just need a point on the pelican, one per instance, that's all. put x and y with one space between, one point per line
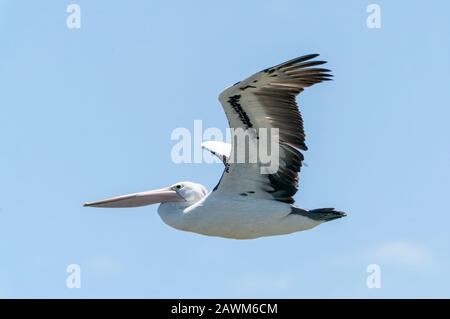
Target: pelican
247 203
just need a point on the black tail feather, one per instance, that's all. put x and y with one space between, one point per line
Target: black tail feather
325 214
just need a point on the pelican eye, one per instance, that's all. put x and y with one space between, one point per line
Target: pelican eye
178 186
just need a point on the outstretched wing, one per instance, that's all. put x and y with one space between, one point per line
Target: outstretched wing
267 100
219 149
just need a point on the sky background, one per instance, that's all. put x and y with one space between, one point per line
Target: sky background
88 113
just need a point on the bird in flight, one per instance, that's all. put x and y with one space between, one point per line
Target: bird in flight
248 202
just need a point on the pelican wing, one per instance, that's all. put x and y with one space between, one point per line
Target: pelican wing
267 99
221 150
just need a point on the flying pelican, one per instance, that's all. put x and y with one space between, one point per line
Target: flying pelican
246 203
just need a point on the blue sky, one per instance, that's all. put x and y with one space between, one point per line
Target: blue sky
87 113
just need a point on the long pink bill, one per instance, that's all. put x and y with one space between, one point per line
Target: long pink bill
139 199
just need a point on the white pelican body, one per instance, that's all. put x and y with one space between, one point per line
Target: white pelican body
234 217
247 202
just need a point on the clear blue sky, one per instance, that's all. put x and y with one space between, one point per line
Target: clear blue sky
88 113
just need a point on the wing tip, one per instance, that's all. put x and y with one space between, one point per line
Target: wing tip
313 55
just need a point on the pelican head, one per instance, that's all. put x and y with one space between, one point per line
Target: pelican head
189 191
182 192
